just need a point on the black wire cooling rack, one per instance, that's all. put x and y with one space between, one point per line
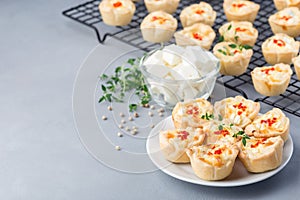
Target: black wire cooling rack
88 15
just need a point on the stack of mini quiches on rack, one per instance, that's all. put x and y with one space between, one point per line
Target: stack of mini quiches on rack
212 137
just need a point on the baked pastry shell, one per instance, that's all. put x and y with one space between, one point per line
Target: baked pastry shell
241 40
296 62
209 172
183 40
116 18
292 30
233 65
187 20
264 87
265 162
281 4
231 16
179 120
169 6
168 148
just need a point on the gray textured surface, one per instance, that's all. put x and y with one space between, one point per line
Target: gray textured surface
40 152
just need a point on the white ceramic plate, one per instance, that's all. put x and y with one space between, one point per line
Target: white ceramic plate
239 176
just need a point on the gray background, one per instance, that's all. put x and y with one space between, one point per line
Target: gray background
41 156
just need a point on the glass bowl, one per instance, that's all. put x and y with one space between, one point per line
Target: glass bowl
168 85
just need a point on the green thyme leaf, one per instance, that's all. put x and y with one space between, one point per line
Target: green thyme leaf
229 27
132 107
131 61
236 38
220 127
220 118
247 47
221 38
244 141
232 46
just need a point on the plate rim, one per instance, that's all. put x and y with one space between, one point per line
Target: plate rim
169 172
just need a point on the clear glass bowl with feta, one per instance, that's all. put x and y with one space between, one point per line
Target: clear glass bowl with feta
175 73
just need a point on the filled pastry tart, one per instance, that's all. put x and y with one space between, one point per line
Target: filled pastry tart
296 62
195 13
238 110
280 48
158 26
198 34
234 58
239 32
192 113
217 131
281 4
240 10
271 80
168 6
261 154
117 12
286 21
213 161
174 143
271 124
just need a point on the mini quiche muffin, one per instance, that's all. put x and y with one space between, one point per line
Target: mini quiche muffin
271 124
158 26
219 132
196 35
174 143
262 154
234 58
213 161
286 21
296 62
117 12
280 48
271 80
192 113
168 6
242 33
240 10
195 13
281 4
238 110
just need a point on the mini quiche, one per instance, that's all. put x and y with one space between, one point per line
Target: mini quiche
195 13
281 4
271 124
234 58
219 132
168 6
213 161
262 154
192 113
271 80
196 35
173 143
286 21
117 12
296 62
158 26
239 32
280 48
240 10
238 110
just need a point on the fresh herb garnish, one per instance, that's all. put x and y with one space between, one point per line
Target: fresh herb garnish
229 27
243 135
232 45
222 52
207 116
220 118
220 127
247 46
236 38
124 79
221 38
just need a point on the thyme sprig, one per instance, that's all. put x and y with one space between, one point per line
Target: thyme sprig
125 78
244 136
